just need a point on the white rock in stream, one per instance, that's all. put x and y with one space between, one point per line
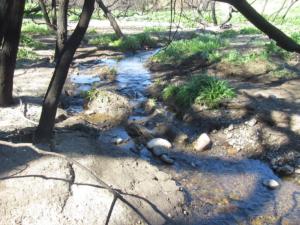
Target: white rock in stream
159 142
202 142
271 183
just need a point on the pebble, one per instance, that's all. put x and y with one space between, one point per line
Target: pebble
252 122
117 141
202 142
297 171
165 158
271 183
159 142
230 128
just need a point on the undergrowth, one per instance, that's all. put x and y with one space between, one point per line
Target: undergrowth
201 89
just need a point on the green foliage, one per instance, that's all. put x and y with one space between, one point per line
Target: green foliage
155 29
296 37
32 28
237 58
229 34
92 31
128 43
201 89
249 30
25 53
284 74
272 49
28 41
180 50
103 40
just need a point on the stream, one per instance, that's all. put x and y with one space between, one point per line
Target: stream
218 190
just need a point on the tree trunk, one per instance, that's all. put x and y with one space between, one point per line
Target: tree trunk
62 27
53 13
213 13
281 39
46 16
111 19
47 120
11 22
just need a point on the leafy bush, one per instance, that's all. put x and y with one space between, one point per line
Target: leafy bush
237 58
201 89
229 34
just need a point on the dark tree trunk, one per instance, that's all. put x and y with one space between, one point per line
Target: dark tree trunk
11 22
62 27
47 120
111 19
213 13
46 15
53 13
281 39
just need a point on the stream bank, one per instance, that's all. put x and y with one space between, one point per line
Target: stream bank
218 186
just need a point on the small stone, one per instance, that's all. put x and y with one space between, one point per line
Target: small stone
165 158
252 122
180 188
193 164
117 141
169 215
158 151
159 142
297 171
214 131
185 212
202 142
271 183
230 128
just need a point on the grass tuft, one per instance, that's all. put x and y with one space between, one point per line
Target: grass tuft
201 89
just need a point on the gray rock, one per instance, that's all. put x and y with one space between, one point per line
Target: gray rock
165 158
110 106
297 171
202 142
159 142
271 183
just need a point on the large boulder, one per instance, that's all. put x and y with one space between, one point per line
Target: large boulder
108 106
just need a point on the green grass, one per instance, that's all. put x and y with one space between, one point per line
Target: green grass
271 49
103 40
201 89
249 30
27 41
237 58
128 43
25 53
178 51
32 28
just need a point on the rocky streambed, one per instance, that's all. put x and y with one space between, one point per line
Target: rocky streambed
170 170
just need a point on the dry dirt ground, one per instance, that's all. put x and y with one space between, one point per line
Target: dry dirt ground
221 186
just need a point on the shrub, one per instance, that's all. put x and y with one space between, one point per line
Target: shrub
250 30
103 40
25 53
201 89
27 41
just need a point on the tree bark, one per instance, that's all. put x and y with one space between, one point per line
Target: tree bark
213 13
51 100
46 15
11 22
111 19
62 27
281 39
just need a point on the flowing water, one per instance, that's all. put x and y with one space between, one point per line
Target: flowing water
217 190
